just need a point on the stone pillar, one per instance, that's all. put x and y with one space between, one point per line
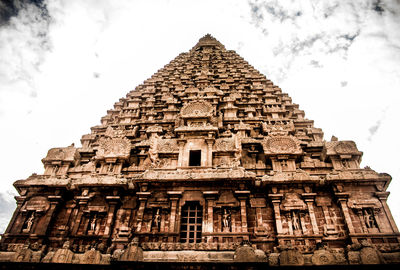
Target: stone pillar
181 144
361 218
112 201
260 225
309 199
174 198
276 201
381 226
143 196
382 196
290 224
54 200
342 199
209 152
242 196
210 197
82 202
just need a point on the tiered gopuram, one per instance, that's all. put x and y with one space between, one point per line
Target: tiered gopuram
206 161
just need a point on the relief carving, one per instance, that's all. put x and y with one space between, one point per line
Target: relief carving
113 148
197 109
281 145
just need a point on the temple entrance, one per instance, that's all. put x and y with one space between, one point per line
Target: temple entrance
192 218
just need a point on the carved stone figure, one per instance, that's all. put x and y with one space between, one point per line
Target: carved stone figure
29 223
295 221
157 219
226 220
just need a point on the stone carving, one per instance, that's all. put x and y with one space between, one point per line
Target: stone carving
226 220
290 256
245 253
157 219
62 154
92 256
167 146
368 218
346 147
281 145
224 145
197 109
133 252
323 257
292 201
36 204
29 223
64 254
113 148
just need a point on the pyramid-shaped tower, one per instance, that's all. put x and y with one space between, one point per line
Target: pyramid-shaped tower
206 161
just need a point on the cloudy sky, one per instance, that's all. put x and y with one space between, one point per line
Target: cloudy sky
63 63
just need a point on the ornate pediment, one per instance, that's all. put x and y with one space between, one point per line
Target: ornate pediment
167 146
113 148
361 200
342 148
281 145
197 109
292 201
62 154
225 145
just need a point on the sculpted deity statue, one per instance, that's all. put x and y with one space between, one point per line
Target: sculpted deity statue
295 221
93 224
29 223
368 219
157 219
226 220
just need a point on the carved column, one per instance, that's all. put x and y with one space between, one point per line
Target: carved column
276 202
258 203
381 226
342 199
361 218
181 143
242 196
54 200
112 201
209 152
174 198
143 196
382 196
210 197
290 224
309 199
82 202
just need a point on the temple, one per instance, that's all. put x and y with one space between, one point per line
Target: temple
206 161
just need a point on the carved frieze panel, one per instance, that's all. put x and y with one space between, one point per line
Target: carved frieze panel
342 148
113 148
292 201
362 200
167 146
224 145
281 145
62 154
197 109
37 204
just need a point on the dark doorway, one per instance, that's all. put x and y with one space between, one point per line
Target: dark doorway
195 158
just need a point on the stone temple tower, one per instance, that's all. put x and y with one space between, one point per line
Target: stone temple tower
206 161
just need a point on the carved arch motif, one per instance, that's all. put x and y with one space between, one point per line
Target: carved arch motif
197 109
